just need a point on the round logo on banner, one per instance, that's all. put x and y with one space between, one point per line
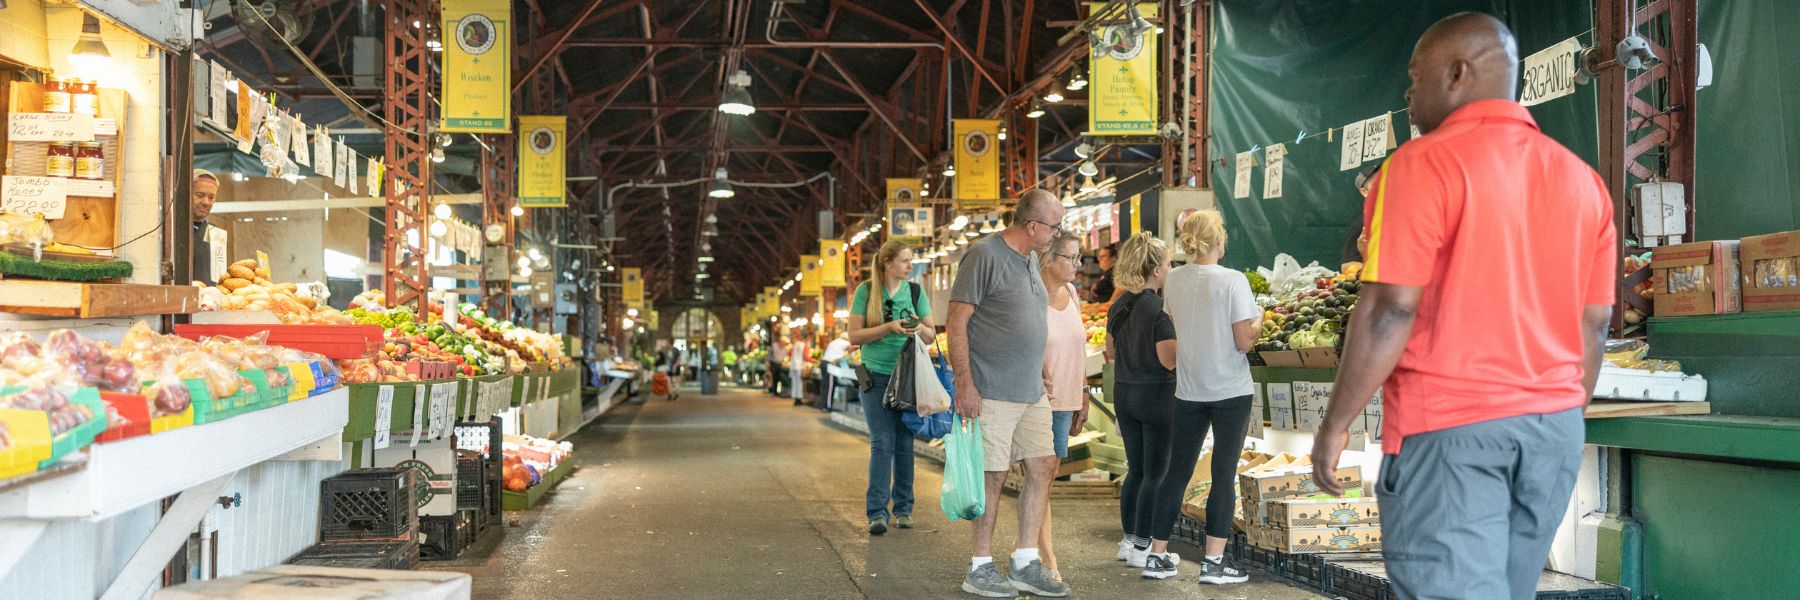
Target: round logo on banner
475 34
976 143
904 194
1121 44
542 140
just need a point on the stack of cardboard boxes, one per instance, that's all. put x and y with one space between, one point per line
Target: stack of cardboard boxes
1759 273
1282 509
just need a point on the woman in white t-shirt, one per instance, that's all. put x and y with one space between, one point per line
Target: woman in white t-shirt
1217 322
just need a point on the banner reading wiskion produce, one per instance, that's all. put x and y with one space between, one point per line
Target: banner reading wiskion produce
632 286
810 281
1122 95
977 163
831 263
477 44
541 179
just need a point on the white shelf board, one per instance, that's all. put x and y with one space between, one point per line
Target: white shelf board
122 476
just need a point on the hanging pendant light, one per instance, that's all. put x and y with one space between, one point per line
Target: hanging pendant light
720 188
1088 168
1037 110
737 95
1077 80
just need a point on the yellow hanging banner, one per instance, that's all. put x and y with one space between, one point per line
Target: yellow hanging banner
810 281
540 161
906 219
831 263
1137 213
477 59
904 191
1122 93
632 283
977 163
771 302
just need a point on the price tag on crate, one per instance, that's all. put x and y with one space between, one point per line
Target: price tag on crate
443 396
384 416
418 414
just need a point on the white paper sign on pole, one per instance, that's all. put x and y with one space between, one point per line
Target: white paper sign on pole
1549 73
49 127
1274 160
339 158
1377 133
1246 161
300 142
220 93
219 243
1352 147
384 416
350 170
34 196
418 414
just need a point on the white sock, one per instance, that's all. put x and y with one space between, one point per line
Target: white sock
1023 557
975 563
1213 559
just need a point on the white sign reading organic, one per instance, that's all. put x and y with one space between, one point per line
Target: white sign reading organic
33 196
1549 73
50 127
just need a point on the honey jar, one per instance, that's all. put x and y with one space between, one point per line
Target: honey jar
90 161
59 160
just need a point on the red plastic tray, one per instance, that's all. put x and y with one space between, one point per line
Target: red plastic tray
136 411
331 341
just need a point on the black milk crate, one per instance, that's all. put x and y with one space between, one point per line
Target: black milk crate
1353 584
369 504
402 556
1308 569
471 479
490 428
443 538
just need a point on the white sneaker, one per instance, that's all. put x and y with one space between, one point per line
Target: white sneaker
1125 549
1138 557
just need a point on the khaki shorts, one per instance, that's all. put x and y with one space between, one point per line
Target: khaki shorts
1015 431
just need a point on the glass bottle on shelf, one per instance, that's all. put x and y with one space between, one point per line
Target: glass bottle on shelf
56 96
59 160
84 98
90 161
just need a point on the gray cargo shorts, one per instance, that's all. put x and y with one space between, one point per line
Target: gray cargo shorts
1468 513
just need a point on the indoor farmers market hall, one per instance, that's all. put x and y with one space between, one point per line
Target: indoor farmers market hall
898 299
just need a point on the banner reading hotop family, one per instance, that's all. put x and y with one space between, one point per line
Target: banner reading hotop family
477 86
1122 93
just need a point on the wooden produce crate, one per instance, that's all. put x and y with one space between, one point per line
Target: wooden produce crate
1063 489
95 300
331 341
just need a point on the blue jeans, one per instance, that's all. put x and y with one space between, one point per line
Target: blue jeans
890 453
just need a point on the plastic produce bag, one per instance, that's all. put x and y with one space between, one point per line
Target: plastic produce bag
901 386
964 496
927 427
1288 275
929 395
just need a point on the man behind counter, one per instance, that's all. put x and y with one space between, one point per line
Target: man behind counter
205 192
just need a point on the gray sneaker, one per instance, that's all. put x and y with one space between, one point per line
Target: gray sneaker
1222 572
1037 579
985 580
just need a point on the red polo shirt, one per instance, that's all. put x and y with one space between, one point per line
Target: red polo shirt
1510 235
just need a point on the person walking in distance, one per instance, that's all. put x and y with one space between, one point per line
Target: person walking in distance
1216 319
997 335
1487 293
1065 360
1141 339
884 313
777 363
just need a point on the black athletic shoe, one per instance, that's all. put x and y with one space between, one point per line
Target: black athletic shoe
1220 572
1159 566
877 527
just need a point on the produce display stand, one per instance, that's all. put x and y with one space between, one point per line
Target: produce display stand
192 463
510 500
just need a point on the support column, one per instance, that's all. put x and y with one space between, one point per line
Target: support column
497 179
407 111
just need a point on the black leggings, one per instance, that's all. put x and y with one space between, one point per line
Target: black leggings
1165 436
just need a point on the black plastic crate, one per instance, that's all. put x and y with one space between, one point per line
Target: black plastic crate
369 504
1308 569
444 537
402 556
471 480
491 504
1355 585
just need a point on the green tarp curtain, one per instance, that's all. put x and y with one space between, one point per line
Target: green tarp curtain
1747 164
1279 68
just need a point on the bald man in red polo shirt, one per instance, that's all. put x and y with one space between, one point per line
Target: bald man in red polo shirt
1488 288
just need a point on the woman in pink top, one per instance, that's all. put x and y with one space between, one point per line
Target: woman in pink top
1065 358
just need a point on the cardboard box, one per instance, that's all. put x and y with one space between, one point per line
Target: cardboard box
1282 358
326 583
1319 358
1274 484
1770 265
1327 511
1700 278
1314 540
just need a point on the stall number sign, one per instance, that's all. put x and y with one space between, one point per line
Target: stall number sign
50 127
1549 74
34 196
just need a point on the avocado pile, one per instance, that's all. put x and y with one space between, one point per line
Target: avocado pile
1312 318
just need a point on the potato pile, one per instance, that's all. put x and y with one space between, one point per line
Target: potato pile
246 286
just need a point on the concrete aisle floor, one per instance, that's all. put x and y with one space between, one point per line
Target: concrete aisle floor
746 496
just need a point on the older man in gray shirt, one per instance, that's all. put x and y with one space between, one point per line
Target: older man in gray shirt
997 332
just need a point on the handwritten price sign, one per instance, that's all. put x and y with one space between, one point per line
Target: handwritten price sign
33 196
50 127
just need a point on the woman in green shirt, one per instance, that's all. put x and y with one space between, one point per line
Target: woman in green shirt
886 309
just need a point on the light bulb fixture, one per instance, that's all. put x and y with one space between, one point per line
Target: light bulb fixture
712 219
542 262
1139 25
1077 79
1084 151
720 188
959 222
962 241
631 312
438 229
533 253
736 100
1037 110
442 139
1054 94
90 51
950 169
437 154
518 211
525 271
1001 135
924 193
1088 168
988 227
524 262
442 211
706 259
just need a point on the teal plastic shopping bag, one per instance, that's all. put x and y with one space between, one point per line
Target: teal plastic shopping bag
965 493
